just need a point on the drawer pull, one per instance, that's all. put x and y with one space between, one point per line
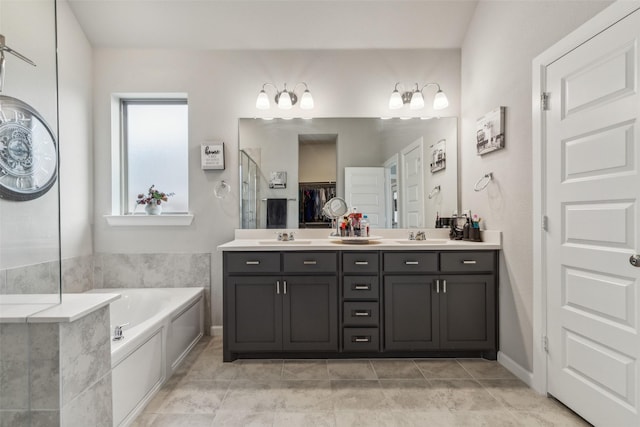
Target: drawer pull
361 339
411 262
365 313
361 263
309 262
361 287
253 263
469 261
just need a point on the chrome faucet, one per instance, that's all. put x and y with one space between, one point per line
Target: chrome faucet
412 236
421 235
283 236
117 332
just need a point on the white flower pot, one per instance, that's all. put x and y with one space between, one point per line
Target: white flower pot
153 209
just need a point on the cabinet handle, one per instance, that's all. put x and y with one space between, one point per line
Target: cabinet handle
277 287
284 282
362 263
361 339
361 287
469 261
309 262
411 262
252 262
437 286
365 313
444 286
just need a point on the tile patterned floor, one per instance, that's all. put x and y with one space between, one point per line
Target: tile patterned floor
442 392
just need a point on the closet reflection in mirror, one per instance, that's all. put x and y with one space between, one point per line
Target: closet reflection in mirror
383 168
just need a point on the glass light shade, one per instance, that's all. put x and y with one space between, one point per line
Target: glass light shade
440 101
284 101
395 101
306 102
262 103
417 101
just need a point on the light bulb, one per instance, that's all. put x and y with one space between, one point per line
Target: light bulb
417 101
440 101
306 102
395 101
262 103
284 101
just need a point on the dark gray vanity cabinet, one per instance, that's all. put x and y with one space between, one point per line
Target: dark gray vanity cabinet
275 302
425 309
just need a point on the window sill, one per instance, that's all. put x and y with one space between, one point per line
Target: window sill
149 220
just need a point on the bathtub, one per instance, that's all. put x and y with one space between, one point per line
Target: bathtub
160 328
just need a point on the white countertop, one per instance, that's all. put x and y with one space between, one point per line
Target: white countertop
72 308
388 239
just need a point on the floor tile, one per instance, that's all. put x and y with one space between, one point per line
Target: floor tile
182 420
549 419
396 369
235 418
258 370
209 367
351 370
306 419
306 395
413 395
358 395
485 369
446 369
516 395
144 420
194 397
305 370
463 395
253 396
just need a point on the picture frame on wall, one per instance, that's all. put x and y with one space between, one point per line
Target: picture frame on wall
490 131
212 156
439 156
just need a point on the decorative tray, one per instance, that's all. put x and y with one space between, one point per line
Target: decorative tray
356 240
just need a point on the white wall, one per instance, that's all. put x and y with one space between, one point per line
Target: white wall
501 42
76 135
222 86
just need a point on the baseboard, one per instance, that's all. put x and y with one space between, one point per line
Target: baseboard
517 370
215 331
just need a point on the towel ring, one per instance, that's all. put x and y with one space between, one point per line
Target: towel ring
435 191
483 182
221 190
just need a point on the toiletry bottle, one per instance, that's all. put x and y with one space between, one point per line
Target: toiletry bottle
438 225
364 226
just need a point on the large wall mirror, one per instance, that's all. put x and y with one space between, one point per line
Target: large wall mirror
400 173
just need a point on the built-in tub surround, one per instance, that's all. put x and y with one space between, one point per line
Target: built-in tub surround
55 366
159 328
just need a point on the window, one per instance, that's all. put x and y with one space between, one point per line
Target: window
155 152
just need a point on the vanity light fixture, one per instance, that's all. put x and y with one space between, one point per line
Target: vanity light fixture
415 99
285 99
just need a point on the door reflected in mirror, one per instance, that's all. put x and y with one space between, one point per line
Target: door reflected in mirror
383 168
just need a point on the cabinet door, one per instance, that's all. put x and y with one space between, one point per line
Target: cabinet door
410 313
310 313
467 312
255 313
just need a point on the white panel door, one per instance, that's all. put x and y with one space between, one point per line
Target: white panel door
593 189
364 189
411 185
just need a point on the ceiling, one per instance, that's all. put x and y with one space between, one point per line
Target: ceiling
266 24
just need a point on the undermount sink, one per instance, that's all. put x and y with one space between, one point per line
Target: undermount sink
284 242
423 242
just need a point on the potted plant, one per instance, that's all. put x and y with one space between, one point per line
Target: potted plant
153 200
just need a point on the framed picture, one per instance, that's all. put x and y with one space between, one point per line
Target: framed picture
439 156
212 156
490 131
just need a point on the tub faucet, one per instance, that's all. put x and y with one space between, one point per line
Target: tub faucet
117 332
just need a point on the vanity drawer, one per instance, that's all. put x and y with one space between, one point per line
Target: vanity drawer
252 262
360 262
310 262
406 262
360 313
360 339
360 287
467 261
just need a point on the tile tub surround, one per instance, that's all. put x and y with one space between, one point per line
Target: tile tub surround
398 392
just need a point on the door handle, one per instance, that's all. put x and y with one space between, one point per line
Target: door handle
253 263
469 261
277 287
411 262
362 262
309 262
444 286
361 287
361 339
437 286
362 313
634 260
284 285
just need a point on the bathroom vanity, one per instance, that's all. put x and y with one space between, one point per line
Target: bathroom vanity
317 297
